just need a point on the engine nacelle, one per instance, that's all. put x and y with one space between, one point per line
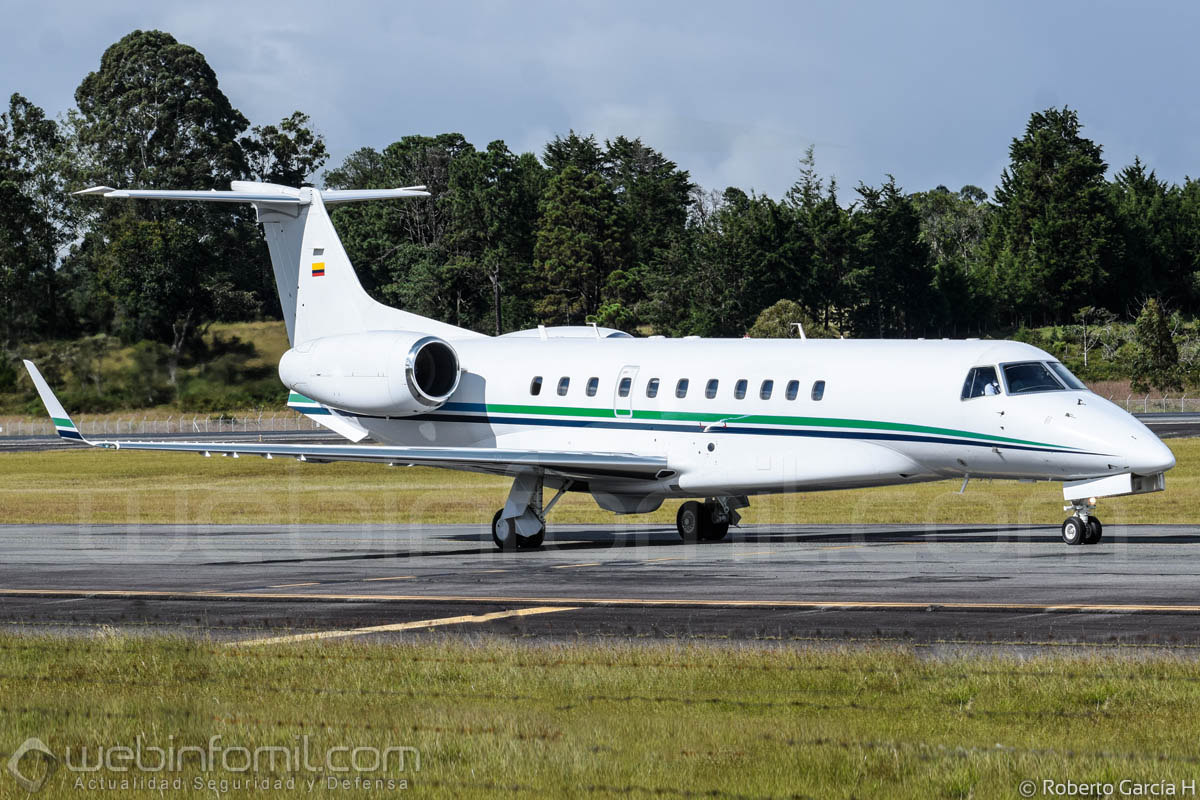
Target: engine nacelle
389 373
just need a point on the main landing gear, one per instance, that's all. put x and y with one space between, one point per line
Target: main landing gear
708 521
521 524
1082 527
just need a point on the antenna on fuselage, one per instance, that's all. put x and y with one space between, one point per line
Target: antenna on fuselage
800 330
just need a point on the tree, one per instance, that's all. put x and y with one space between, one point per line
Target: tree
1051 234
33 223
953 226
494 198
779 321
1093 322
1156 358
288 153
578 245
154 116
891 283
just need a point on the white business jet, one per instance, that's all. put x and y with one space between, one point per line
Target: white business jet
636 421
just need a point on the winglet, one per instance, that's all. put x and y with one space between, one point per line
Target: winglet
62 423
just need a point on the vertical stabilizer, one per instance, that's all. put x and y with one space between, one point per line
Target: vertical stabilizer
318 289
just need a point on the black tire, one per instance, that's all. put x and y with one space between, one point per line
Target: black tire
531 542
717 531
1073 530
1095 531
509 542
689 521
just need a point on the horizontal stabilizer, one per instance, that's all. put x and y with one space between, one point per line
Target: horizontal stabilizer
212 196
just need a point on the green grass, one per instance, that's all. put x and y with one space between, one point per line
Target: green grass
494 718
91 486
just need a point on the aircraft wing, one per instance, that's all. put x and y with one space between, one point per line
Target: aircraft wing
574 465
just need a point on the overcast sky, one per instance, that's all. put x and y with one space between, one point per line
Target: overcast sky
733 91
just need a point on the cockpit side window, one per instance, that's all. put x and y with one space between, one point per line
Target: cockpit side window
1065 376
981 381
1030 376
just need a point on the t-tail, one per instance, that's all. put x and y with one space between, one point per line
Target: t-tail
318 289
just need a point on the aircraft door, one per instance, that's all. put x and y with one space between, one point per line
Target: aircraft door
623 392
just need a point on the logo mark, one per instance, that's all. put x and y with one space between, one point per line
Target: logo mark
32 747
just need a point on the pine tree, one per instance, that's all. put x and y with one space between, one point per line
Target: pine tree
1156 358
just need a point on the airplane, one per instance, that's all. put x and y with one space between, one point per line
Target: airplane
636 422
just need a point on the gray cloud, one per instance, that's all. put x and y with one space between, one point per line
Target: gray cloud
929 91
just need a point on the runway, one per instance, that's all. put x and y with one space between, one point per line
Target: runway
925 585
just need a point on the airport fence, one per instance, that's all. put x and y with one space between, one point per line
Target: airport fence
206 424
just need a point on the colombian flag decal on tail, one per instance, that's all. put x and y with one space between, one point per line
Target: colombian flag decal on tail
318 269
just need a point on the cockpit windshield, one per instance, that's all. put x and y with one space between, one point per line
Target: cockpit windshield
1030 376
1065 375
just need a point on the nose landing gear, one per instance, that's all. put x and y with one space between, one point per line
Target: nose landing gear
1082 527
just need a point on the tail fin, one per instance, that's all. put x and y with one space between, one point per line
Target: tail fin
318 289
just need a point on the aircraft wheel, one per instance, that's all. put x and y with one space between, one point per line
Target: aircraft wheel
689 521
503 533
531 542
1073 530
717 531
1094 531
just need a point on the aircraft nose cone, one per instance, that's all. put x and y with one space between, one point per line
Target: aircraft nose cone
1150 455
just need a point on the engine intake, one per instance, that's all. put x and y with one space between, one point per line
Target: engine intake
386 373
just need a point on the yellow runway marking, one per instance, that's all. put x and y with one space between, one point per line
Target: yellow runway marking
291 585
149 594
407 626
665 558
759 553
570 566
393 578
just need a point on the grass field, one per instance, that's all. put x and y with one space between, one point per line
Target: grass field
90 486
499 718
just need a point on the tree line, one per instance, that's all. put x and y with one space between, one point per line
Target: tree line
607 231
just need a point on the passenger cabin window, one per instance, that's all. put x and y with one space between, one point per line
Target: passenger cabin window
1065 376
980 381
592 385
739 389
535 386
764 391
623 387
1030 376
652 388
793 390
564 383
818 390
681 388
710 390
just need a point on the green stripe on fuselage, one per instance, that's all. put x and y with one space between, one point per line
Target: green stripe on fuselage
756 419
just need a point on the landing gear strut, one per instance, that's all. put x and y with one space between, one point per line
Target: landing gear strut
521 524
708 521
1082 527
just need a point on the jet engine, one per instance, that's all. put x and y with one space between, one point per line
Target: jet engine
385 373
